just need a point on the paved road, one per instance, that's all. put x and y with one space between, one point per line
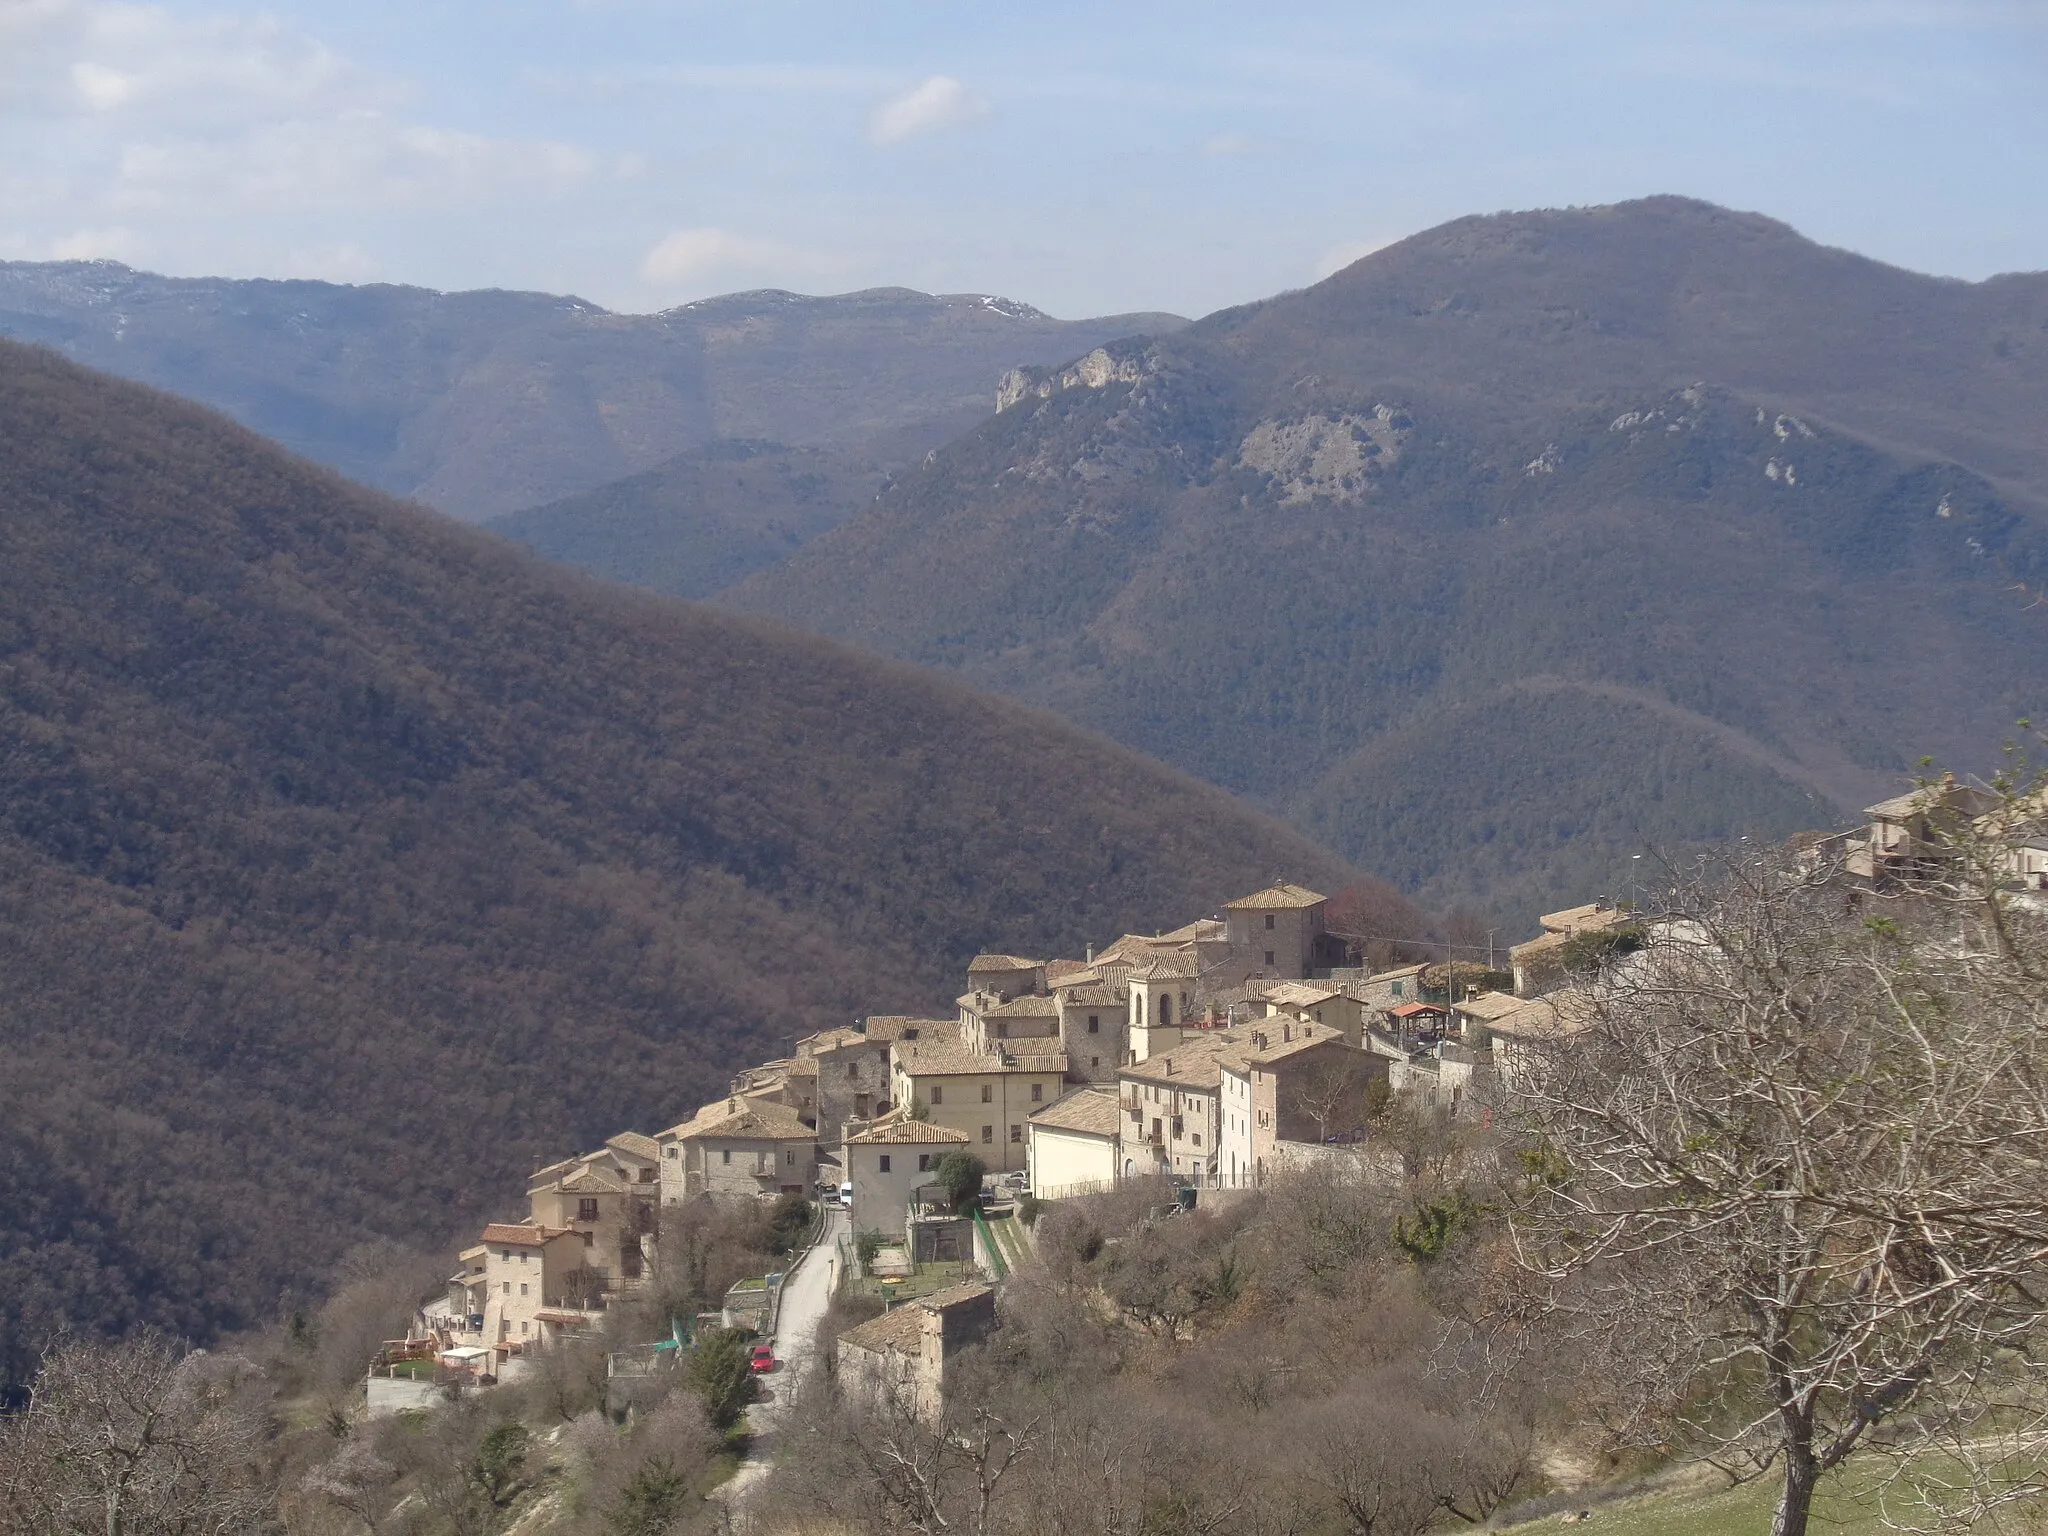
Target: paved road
806 1293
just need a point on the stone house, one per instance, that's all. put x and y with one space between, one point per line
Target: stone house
1309 1003
1293 1082
1093 1027
1538 964
1283 929
1071 1146
525 1299
738 1146
852 1078
888 1162
1384 991
614 1220
909 1351
988 1095
1171 1108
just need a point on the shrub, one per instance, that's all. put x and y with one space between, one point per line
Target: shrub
1028 1210
960 1175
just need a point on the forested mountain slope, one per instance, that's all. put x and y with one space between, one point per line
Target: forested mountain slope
487 402
704 520
352 863
1511 549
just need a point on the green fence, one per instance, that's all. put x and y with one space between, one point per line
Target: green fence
988 1241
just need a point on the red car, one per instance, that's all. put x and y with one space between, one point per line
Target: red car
762 1360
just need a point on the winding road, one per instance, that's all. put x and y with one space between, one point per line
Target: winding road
806 1293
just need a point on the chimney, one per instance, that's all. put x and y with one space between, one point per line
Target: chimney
1091 954
1169 1066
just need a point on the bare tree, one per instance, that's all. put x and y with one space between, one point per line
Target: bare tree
1797 1139
138 1438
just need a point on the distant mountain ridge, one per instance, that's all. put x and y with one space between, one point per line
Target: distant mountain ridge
354 863
1511 550
487 402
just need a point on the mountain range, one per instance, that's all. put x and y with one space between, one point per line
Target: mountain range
354 862
490 402
1513 555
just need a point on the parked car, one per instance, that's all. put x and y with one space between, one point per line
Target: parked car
846 1193
762 1360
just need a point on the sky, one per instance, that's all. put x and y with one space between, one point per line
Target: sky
1085 158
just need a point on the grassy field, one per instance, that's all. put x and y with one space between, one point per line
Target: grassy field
1844 1507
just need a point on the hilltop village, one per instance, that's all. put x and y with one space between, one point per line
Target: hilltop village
1217 1056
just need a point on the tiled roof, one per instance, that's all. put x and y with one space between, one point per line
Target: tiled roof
1093 1110
952 1058
954 1295
1000 963
1414 1010
908 1132
1032 1007
1278 1047
804 1066
900 1329
1297 994
637 1145
1558 1016
1202 929
1059 971
1492 1005
590 1181
1282 896
1194 1064
1166 967
510 1234
1399 973
1092 994
893 1026
829 1040
742 1120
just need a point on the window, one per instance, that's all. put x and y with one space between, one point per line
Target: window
1037 1092
1398 986
522 1287
589 1239
726 1155
924 1162
938 1094
789 1157
505 1286
671 1151
853 1069
910 1034
1002 1029
1094 1023
988 1135
1094 1062
1269 922
1016 1133
988 1093
1198 1138
525 1328
1269 957
885 1163
586 1210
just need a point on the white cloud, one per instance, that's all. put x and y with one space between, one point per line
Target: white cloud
1338 257
148 113
689 259
933 104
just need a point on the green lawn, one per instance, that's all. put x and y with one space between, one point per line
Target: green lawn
928 1278
1011 1242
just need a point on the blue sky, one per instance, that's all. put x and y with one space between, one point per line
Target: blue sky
1083 158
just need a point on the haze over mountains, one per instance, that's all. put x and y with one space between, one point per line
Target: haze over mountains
488 402
353 862
1510 550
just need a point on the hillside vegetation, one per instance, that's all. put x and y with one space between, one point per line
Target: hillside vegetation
1510 551
705 519
487 402
353 863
